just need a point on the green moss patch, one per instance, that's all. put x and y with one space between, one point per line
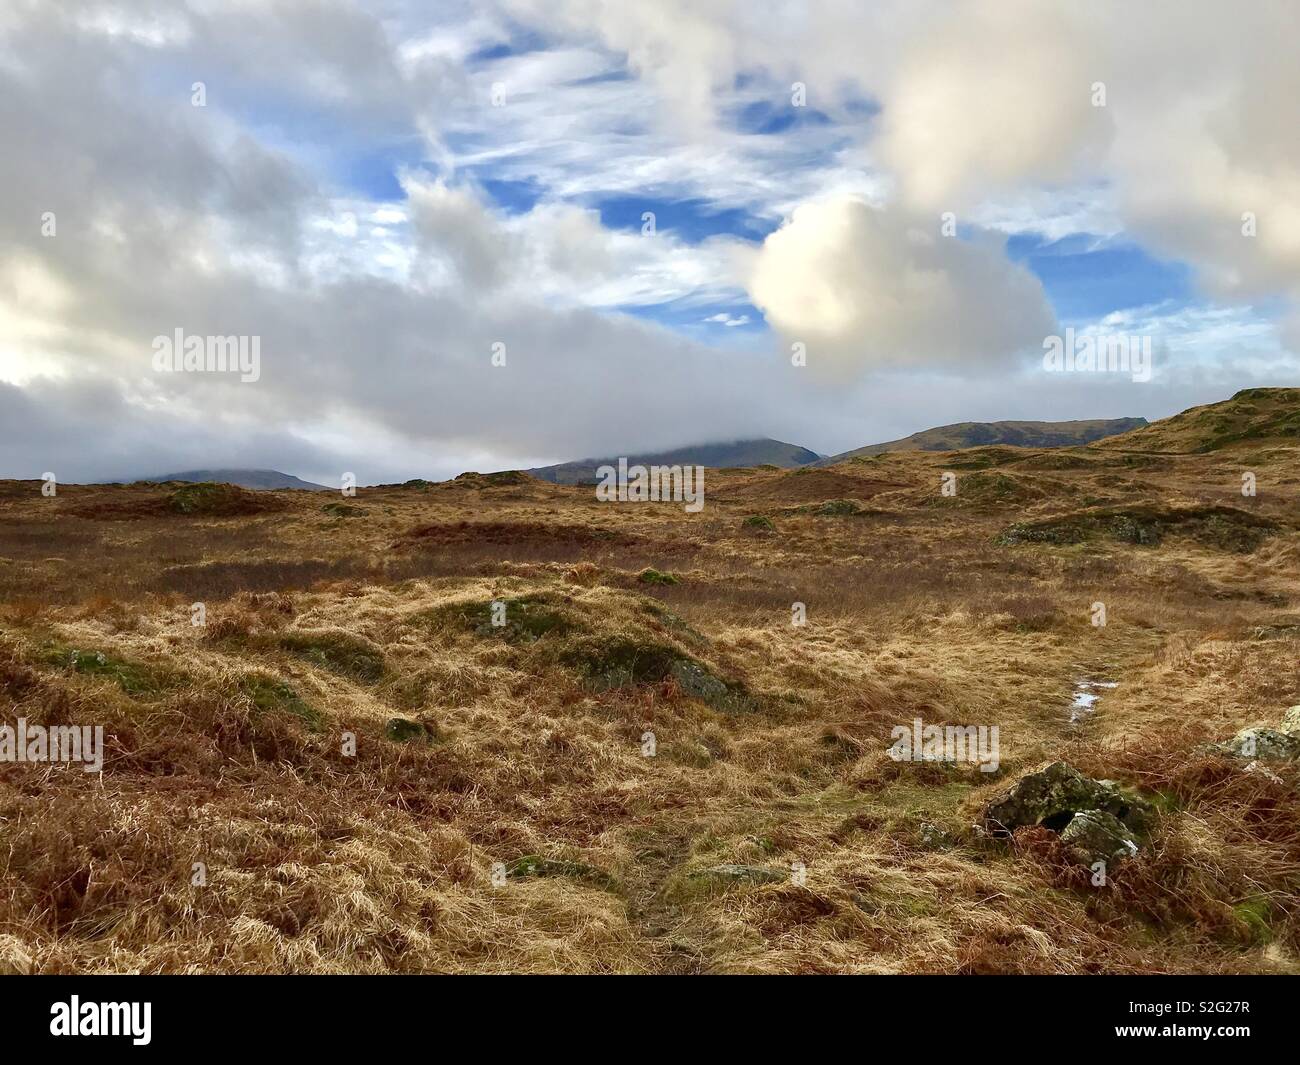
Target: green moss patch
271 695
525 619
650 575
625 661
341 653
1255 916
138 680
838 508
343 510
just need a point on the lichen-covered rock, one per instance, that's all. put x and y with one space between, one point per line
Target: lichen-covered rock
1098 836
1265 744
934 837
1291 721
1052 796
1136 812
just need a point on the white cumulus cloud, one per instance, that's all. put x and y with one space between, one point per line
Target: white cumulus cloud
862 286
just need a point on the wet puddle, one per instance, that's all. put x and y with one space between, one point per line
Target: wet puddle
1086 694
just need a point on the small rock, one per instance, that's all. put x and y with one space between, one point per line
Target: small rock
1098 836
1291 720
1265 744
741 874
934 837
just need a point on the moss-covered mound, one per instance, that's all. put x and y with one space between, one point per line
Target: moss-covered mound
136 679
622 661
533 865
339 652
272 695
522 619
207 498
1219 527
650 575
988 489
501 479
343 510
838 508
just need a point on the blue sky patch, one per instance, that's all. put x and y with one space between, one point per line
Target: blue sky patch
513 197
764 117
1087 277
691 221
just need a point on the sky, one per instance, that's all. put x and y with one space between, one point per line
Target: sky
506 233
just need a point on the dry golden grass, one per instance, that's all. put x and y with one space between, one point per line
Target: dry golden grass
225 743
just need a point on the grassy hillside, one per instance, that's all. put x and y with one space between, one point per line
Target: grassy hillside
648 765
1011 434
762 452
1253 417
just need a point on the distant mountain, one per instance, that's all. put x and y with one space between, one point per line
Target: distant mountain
260 479
740 453
1013 434
1253 416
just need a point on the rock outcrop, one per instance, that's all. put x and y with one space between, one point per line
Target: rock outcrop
1097 819
1281 744
1097 836
1052 796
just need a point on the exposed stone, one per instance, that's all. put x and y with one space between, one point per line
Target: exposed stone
1291 720
1266 744
1098 836
1052 796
